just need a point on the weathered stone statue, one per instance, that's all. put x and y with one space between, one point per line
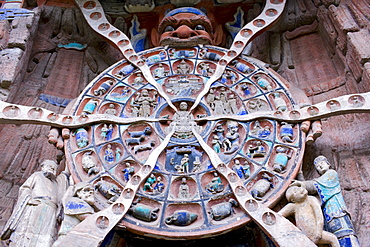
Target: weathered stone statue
34 219
78 204
307 213
327 186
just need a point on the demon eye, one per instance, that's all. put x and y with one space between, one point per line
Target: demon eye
199 27
169 29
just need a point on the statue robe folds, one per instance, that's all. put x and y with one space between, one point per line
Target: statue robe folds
337 218
33 222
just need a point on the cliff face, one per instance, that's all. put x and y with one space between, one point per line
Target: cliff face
318 45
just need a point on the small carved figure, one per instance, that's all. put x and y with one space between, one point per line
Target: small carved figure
308 216
183 68
108 190
215 185
205 69
149 183
118 154
128 172
143 212
232 106
111 110
143 104
139 80
211 98
145 132
263 83
279 102
336 216
103 88
160 71
89 164
183 122
82 138
257 150
39 200
231 141
246 89
159 186
103 132
262 186
222 210
243 171
90 106
286 132
216 143
282 157
184 163
257 105
181 218
78 205
144 147
184 192
196 164
109 154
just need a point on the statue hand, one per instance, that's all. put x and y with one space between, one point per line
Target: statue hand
313 130
297 183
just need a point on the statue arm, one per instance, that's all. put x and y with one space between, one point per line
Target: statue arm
287 210
316 208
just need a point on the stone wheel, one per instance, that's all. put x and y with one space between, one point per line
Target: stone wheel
184 196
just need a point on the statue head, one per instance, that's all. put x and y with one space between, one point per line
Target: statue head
85 191
321 164
186 27
296 194
183 106
49 168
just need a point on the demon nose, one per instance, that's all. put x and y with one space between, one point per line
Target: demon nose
184 32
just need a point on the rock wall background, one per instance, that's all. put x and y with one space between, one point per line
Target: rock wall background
319 45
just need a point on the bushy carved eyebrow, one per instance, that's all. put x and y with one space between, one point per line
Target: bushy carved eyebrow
191 22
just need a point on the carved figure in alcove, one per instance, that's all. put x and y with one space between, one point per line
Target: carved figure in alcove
78 204
103 132
197 164
144 103
215 185
118 154
183 122
184 191
109 154
89 164
308 216
243 171
286 132
257 150
82 139
205 69
211 98
111 110
139 80
159 186
128 172
218 106
257 105
160 71
149 183
283 154
104 87
246 89
263 83
90 106
231 141
181 218
222 210
183 68
184 164
279 102
39 200
143 212
232 107
216 144
337 219
109 190
260 131
262 186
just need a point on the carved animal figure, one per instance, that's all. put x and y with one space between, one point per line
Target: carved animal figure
148 146
135 141
145 132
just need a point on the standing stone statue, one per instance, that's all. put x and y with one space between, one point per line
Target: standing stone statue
34 219
336 217
78 204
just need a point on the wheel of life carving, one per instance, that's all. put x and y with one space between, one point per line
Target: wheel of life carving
184 196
